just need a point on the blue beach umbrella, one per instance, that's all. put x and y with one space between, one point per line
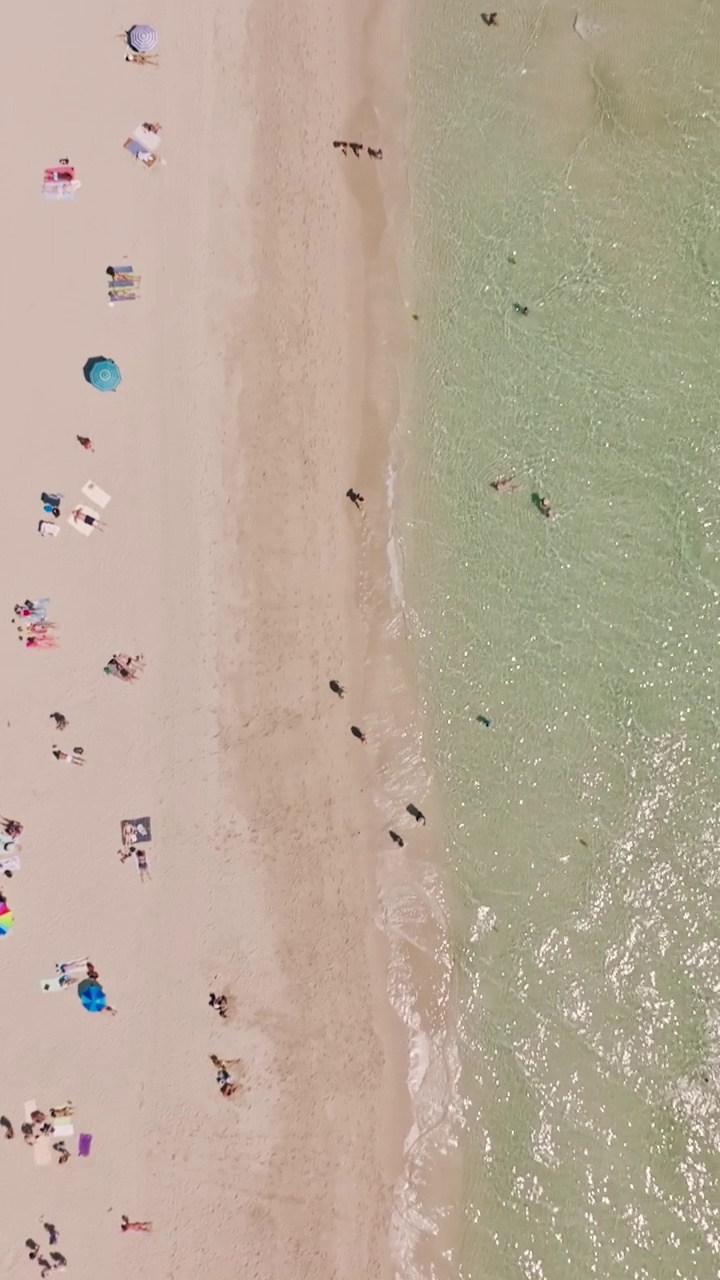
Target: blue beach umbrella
102 373
92 996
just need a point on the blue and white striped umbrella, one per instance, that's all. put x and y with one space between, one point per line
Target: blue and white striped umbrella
142 38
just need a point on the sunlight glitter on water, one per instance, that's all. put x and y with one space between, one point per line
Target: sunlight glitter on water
578 177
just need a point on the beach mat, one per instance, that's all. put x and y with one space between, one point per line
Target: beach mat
135 831
95 494
63 1129
79 525
42 1147
84 1144
51 984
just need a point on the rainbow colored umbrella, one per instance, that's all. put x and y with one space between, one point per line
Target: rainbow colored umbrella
7 919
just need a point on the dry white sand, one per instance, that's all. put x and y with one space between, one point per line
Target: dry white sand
229 562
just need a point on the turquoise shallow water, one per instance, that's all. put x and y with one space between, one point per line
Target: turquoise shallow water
579 178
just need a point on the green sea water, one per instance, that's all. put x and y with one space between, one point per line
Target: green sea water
579 177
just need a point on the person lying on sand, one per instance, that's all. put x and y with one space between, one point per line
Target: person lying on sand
127 1225
80 516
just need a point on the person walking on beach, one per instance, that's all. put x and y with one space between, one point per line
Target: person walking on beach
416 813
357 733
86 443
376 155
337 688
7 1126
61 721
397 839
490 19
355 497
355 147
342 145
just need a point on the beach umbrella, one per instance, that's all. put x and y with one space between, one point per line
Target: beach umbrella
142 38
102 373
92 996
7 919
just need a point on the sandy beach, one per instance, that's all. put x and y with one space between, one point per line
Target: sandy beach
259 381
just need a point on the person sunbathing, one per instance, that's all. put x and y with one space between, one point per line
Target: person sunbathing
127 1225
80 516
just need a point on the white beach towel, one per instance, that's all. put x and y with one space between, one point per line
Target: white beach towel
96 494
80 525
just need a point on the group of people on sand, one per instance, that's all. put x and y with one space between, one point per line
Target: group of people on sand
56 1262
356 147
227 1085
339 690
39 1126
124 667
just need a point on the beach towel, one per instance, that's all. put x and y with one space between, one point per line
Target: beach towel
143 144
52 984
123 285
135 831
62 1129
9 864
80 525
59 183
96 494
84 1144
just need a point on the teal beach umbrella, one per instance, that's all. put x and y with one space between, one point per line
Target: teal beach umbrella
102 373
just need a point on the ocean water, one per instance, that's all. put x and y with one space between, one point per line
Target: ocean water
579 177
